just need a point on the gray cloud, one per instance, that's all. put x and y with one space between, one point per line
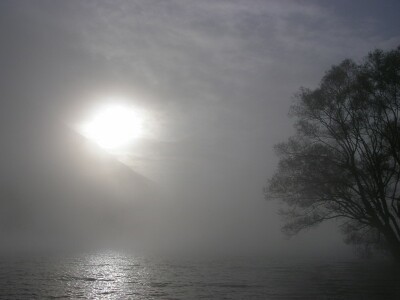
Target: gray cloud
219 76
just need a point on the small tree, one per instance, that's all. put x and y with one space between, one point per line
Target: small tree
344 160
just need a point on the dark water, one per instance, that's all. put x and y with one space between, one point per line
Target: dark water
112 276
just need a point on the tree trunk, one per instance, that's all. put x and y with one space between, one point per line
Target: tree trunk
393 243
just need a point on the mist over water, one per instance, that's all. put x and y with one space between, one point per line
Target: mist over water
176 210
217 80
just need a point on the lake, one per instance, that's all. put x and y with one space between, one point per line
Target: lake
117 276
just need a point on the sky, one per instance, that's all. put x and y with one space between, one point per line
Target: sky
216 79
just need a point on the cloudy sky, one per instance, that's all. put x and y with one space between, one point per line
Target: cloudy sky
216 79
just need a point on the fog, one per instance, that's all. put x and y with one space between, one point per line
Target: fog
216 79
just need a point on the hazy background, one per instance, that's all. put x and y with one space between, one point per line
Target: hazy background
216 79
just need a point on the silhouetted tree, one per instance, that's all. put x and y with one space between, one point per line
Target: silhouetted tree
344 160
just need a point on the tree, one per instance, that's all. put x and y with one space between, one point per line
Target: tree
344 160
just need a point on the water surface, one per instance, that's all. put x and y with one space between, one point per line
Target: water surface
116 276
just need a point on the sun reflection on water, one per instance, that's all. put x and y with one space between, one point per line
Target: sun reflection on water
107 275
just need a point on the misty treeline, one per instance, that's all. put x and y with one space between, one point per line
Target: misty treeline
343 162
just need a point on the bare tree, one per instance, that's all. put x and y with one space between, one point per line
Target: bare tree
344 160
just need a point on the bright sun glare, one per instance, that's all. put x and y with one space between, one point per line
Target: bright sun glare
113 126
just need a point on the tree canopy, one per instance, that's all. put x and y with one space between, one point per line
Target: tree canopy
344 160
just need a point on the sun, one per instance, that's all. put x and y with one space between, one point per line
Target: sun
113 126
